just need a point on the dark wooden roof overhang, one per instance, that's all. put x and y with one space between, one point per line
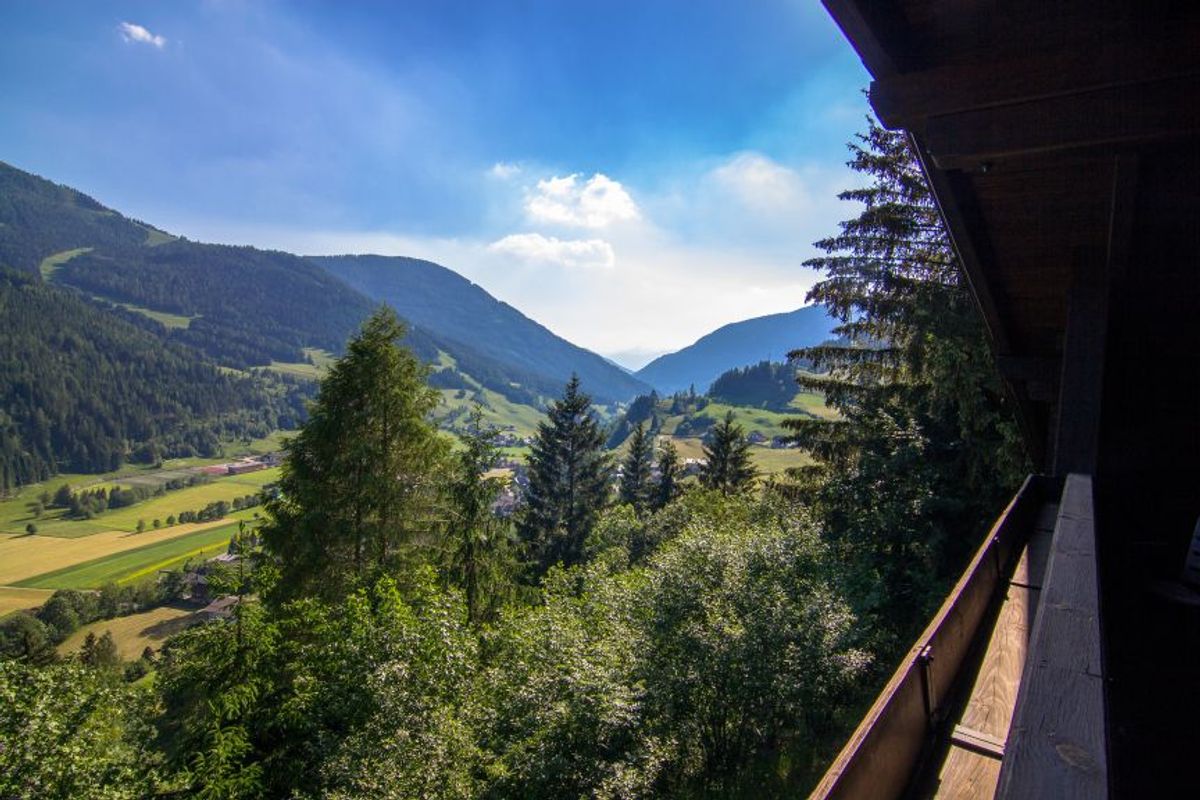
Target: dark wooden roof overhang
1043 128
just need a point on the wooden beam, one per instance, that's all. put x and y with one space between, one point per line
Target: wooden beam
1057 744
1121 217
876 30
1118 116
1081 388
907 101
1077 433
965 227
1029 369
967 231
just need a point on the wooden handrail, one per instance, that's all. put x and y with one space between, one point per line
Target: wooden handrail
883 753
1056 745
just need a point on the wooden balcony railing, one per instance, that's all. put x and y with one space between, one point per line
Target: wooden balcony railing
900 730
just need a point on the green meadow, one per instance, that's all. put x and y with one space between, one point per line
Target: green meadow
132 565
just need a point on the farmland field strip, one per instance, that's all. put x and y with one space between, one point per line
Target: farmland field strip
24 557
96 572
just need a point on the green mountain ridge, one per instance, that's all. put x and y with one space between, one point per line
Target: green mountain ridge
439 299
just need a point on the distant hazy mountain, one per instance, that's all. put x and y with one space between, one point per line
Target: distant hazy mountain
459 312
738 344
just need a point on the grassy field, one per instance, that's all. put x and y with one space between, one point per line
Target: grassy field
134 564
14 598
15 512
192 498
772 462
51 263
24 557
155 237
767 460
497 410
813 404
167 319
321 361
136 632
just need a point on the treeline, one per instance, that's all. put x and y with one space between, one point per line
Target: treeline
217 509
766 384
33 637
82 390
88 503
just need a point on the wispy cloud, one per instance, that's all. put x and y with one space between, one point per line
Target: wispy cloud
539 249
503 170
595 203
132 32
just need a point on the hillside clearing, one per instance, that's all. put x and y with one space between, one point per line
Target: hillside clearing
14 598
136 632
50 264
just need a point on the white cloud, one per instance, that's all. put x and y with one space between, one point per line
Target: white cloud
503 170
136 33
536 248
760 183
595 203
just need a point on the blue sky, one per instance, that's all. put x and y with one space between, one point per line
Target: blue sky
632 175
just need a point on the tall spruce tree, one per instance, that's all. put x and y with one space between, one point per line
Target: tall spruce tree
925 448
568 481
667 488
727 465
478 543
636 481
357 486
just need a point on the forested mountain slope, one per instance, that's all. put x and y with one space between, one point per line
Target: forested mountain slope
242 306
83 389
39 218
458 311
738 344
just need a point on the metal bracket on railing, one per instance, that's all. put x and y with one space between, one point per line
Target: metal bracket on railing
924 659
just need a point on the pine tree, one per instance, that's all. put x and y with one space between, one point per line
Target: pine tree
925 447
357 489
636 488
727 458
568 481
477 539
667 488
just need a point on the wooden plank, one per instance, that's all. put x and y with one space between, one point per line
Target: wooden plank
1056 747
967 775
880 758
1112 117
994 695
983 743
906 101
